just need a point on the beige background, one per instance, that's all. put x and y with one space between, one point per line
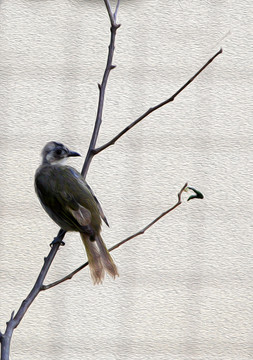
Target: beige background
185 290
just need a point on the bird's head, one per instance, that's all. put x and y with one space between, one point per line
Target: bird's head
56 153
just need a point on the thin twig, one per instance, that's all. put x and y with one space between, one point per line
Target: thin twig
102 87
109 10
116 11
152 109
140 232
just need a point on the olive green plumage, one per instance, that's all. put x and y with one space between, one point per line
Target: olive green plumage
60 192
69 201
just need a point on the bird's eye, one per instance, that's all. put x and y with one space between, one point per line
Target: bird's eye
59 151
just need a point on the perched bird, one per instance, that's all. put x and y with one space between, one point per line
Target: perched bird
70 202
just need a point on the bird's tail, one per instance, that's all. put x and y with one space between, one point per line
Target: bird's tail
99 259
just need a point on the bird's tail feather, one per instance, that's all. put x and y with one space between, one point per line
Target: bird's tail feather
99 259
106 258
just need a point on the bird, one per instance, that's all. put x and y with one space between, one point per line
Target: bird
70 202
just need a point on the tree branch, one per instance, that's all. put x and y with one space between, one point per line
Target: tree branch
112 16
102 87
116 11
5 339
109 10
140 232
15 320
156 107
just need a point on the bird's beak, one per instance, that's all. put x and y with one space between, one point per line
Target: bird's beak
73 153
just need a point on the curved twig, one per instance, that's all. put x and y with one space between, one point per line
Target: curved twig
140 232
156 107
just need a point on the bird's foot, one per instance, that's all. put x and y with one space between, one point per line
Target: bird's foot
58 238
56 241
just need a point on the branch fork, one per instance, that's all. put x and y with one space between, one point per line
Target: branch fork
5 338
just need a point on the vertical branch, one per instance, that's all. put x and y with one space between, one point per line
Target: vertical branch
102 87
5 338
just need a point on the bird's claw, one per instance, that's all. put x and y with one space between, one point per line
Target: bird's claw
57 240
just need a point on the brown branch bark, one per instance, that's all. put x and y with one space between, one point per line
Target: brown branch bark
138 233
156 107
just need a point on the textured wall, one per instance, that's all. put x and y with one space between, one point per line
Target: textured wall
185 290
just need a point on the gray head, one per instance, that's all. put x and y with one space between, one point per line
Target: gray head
56 153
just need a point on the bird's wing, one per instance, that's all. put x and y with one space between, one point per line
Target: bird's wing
99 206
82 215
63 197
87 191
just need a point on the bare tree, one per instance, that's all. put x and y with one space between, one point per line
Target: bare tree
5 338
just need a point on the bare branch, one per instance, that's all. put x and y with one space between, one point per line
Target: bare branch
152 109
116 11
5 338
15 320
112 16
109 10
102 87
140 232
